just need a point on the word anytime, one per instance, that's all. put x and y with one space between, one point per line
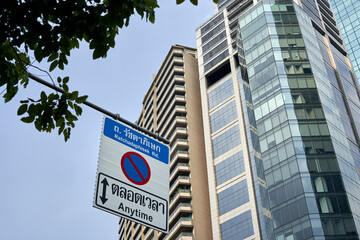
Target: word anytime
135 212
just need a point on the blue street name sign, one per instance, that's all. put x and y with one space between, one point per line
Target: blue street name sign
136 140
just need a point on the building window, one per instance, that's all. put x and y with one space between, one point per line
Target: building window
229 168
212 23
226 141
215 30
216 60
233 197
214 41
221 93
214 51
223 116
239 227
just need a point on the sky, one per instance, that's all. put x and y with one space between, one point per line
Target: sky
47 185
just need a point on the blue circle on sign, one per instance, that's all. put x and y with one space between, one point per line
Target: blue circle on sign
135 168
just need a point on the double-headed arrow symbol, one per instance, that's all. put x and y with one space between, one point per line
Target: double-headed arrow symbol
103 197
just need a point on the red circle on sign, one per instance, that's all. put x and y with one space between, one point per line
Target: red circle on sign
131 176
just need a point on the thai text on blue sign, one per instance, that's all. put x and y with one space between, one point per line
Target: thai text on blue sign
136 140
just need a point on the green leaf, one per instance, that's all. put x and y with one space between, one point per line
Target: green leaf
78 110
67 133
81 99
51 97
61 128
53 66
25 80
66 79
31 109
99 52
74 95
43 96
65 50
38 53
10 93
152 18
140 11
63 58
37 123
70 117
53 56
195 2
93 44
65 95
179 1
60 122
22 109
28 119
61 65
75 43
38 109
70 104
71 124
65 87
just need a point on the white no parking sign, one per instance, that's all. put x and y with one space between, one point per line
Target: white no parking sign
133 176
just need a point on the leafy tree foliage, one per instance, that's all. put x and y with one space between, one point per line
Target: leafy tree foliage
50 29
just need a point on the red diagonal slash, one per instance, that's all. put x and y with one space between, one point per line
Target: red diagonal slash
137 170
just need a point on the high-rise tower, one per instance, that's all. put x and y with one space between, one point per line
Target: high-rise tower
281 119
236 176
172 108
348 19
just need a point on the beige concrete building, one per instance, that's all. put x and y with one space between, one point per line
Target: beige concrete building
172 108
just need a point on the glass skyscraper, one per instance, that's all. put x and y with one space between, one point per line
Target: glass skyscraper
347 14
278 90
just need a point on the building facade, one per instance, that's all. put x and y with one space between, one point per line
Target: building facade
347 14
281 122
264 127
172 108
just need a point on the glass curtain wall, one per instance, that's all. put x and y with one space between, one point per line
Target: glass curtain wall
307 195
